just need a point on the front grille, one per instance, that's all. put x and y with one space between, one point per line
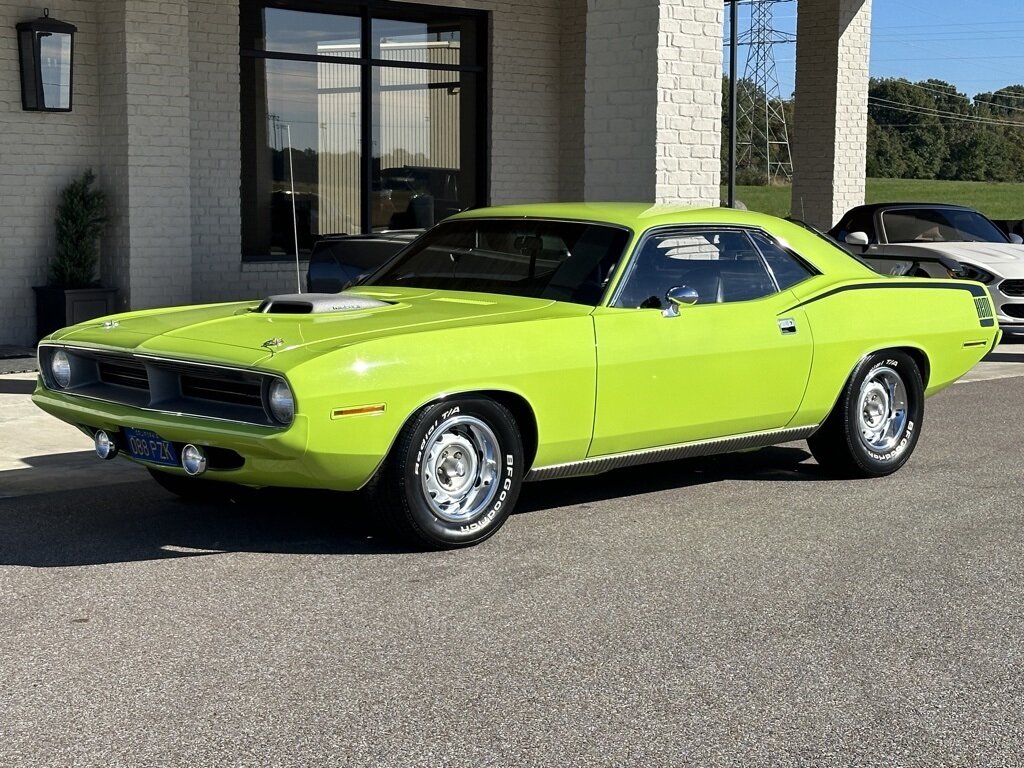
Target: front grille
1012 287
123 373
1014 310
220 391
176 386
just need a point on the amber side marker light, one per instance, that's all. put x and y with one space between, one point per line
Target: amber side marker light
357 410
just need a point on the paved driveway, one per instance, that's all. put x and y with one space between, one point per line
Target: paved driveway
733 611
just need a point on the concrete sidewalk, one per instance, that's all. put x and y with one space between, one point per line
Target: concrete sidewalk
40 454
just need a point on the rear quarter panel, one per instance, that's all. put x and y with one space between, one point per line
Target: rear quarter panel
854 319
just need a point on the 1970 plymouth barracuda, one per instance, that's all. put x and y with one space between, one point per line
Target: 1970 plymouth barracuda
526 343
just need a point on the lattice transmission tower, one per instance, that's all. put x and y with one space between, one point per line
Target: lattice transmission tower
762 139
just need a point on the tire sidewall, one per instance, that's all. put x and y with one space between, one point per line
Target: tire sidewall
872 462
511 471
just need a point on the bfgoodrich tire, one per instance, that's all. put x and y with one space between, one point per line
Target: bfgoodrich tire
453 475
876 423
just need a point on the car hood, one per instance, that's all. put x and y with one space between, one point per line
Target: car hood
975 253
236 333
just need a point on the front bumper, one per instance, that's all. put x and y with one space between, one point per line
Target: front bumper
268 456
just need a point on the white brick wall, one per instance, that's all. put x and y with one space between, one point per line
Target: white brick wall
621 99
653 100
689 122
39 154
157 103
830 130
215 155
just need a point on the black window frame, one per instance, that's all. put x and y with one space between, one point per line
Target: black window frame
250 21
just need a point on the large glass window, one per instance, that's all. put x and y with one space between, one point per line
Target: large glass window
355 123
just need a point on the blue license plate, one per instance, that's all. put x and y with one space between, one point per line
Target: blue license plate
149 446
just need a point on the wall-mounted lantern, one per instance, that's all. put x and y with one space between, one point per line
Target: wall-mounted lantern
45 49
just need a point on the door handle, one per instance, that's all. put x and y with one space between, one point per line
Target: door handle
787 326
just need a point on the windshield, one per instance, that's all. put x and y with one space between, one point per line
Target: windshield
560 260
939 225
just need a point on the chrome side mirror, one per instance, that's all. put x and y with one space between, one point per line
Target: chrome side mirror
1016 239
680 296
857 238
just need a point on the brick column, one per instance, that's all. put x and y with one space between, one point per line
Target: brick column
830 131
144 106
652 116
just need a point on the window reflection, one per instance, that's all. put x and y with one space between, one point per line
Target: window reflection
307 33
313 99
55 61
417 147
307 148
425 43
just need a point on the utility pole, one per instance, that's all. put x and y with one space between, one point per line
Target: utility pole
763 140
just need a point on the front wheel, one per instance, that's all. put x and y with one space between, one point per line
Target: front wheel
875 425
453 475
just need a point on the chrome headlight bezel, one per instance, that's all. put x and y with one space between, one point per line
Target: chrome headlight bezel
280 401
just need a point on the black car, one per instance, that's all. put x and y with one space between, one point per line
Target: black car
337 261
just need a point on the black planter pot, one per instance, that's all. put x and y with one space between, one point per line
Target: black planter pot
59 307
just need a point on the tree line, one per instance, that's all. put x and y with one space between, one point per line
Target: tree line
922 130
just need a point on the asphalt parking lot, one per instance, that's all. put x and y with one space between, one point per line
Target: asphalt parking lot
740 610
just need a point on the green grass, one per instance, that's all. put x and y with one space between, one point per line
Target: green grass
997 201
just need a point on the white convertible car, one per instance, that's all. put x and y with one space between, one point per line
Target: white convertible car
925 234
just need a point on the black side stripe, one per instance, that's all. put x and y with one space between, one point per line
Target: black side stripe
974 290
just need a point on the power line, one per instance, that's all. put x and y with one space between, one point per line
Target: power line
968 98
902 106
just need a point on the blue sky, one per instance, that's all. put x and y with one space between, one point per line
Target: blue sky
978 45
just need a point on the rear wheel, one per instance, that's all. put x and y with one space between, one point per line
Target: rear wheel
875 425
453 475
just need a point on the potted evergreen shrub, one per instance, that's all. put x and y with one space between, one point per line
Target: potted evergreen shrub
72 293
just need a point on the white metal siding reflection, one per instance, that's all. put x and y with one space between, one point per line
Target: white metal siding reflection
338 115
415 124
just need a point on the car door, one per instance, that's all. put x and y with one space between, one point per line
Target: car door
735 362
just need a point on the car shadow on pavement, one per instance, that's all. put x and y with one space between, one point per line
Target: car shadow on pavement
138 521
780 463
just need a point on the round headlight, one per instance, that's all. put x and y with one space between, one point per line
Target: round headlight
281 402
60 367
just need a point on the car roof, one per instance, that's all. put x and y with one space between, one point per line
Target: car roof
872 207
635 216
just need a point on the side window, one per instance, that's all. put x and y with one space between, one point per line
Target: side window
722 266
788 270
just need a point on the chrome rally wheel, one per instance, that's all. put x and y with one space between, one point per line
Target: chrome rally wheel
453 475
876 422
459 467
882 410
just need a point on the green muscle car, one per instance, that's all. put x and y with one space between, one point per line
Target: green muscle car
526 343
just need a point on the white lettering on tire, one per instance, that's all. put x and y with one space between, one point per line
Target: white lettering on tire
484 520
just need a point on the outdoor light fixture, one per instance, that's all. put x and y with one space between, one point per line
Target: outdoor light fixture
45 48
